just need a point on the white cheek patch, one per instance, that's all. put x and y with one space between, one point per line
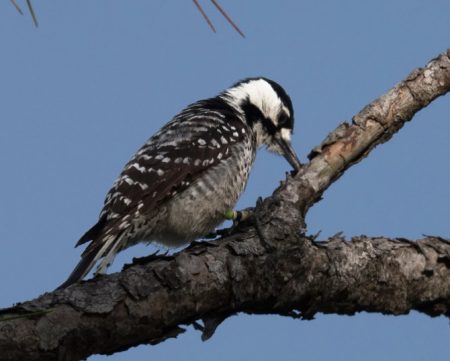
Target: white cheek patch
286 134
261 134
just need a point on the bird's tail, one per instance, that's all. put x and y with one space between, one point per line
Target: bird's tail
104 247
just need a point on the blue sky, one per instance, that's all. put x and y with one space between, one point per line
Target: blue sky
82 92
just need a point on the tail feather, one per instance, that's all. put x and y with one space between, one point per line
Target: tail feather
83 267
93 232
109 253
105 247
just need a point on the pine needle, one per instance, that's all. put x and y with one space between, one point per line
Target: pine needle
222 11
226 16
33 15
17 7
204 15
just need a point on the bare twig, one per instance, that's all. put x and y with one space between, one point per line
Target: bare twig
151 303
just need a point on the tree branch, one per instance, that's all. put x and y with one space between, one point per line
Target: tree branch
287 273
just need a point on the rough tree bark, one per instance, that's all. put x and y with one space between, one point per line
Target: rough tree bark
286 272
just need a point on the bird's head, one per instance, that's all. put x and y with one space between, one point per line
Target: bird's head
267 108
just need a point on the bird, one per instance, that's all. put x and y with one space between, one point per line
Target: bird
180 184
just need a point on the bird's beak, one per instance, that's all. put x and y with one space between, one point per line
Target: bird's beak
289 153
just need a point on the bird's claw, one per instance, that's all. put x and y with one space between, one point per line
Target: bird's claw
246 217
147 259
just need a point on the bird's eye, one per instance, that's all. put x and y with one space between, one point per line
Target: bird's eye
283 122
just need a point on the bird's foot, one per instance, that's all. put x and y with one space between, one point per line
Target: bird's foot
243 218
239 219
147 259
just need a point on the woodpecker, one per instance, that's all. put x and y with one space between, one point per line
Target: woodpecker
183 180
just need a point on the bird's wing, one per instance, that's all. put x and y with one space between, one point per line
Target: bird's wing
198 138
167 164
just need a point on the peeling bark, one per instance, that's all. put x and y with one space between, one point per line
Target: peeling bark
285 272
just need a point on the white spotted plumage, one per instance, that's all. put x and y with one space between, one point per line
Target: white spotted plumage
182 181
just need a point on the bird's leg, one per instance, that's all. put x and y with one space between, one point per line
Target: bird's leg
247 216
237 217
